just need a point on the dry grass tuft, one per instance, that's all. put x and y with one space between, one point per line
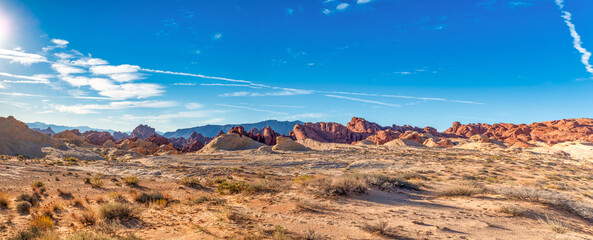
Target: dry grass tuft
96 181
130 180
149 197
4 200
550 198
191 182
118 211
380 228
465 190
554 225
514 210
88 218
23 207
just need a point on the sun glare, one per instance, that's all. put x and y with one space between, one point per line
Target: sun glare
4 28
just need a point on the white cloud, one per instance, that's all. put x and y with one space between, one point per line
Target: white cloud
21 57
217 36
363 1
249 108
342 6
120 73
193 105
363 100
194 75
309 115
2 86
60 42
405 97
577 43
64 69
91 108
89 62
326 11
283 106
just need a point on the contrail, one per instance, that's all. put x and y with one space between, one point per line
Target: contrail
577 43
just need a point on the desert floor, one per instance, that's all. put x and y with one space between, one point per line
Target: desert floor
335 192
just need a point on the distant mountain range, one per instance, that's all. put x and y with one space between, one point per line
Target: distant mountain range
60 128
282 127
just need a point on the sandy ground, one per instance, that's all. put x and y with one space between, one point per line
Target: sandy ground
288 202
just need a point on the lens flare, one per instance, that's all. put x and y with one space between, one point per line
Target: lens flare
4 28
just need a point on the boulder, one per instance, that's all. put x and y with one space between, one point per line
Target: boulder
287 144
479 138
98 138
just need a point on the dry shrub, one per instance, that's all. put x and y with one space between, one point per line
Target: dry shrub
467 190
96 181
149 197
64 194
36 184
4 200
381 228
340 186
514 210
42 223
23 207
32 199
130 180
118 211
550 198
555 225
191 182
88 218
236 216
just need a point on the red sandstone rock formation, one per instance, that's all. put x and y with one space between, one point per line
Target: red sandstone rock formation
158 140
143 132
551 132
98 138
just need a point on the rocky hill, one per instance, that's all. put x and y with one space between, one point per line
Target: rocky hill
17 139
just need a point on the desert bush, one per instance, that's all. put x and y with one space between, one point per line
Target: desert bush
466 190
385 183
41 223
118 211
226 187
36 184
96 181
88 236
554 225
4 200
279 233
32 199
191 182
235 216
71 161
130 180
304 179
149 197
23 207
65 195
513 210
340 186
550 198
378 227
88 218
262 186
311 235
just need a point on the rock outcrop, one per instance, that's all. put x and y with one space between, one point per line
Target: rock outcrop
71 135
98 138
358 129
17 139
551 132
143 132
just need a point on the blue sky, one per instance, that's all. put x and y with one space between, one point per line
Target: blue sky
176 64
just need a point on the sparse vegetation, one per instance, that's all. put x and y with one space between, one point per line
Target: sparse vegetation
379 227
36 184
31 199
513 210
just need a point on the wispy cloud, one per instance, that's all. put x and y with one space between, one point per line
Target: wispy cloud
92 108
120 73
29 79
184 84
169 116
217 36
284 106
250 108
193 105
363 1
282 92
342 6
577 43
405 97
514 4
363 100
194 75
21 57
